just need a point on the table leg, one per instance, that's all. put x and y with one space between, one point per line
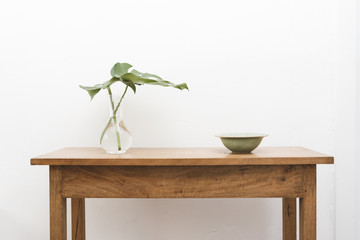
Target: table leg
308 206
78 218
289 218
57 206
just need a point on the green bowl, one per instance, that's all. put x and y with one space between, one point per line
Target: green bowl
241 142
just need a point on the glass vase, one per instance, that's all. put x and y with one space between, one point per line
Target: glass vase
116 138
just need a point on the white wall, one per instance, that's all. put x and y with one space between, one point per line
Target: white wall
345 122
265 66
357 221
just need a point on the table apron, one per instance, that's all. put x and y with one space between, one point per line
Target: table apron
285 181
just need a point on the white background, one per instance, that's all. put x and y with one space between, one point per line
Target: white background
286 68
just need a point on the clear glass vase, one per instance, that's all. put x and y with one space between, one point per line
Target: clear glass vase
116 138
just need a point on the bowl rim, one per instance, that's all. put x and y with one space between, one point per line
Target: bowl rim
241 135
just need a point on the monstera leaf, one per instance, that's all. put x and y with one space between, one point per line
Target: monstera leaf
147 78
92 91
120 73
120 69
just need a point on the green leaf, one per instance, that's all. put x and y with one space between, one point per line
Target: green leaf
120 69
146 75
149 75
96 88
181 86
114 79
136 72
137 80
130 84
92 91
119 73
147 78
126 82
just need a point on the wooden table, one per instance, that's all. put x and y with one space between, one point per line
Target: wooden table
269 172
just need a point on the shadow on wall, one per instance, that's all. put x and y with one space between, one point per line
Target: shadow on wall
190 219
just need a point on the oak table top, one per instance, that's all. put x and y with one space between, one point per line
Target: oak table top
182 157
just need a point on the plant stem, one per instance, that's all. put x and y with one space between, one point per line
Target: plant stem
117 107
103 133
114 119
111 100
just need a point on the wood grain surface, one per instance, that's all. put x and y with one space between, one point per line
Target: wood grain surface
282 172
183 157
57 205
78 218
182 182
308 205
289 218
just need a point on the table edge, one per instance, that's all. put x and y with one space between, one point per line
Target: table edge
181 162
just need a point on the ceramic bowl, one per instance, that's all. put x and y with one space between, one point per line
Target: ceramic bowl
241 142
